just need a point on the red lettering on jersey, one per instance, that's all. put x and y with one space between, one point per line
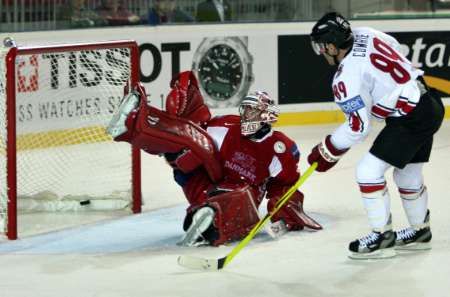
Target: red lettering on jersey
386 61
336 92
339 89
386 50
342 88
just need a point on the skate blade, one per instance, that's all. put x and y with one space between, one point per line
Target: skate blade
196 229
415 246
379 254
116 126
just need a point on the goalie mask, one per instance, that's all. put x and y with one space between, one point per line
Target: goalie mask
257 110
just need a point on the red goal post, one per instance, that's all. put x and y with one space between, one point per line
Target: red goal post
56 101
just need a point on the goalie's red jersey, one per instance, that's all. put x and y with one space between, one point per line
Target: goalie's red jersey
274 157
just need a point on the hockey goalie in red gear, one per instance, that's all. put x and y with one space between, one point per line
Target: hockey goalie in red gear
225 165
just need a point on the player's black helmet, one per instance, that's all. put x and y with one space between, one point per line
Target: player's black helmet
331 28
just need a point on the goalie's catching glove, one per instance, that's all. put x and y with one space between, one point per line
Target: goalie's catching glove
292 213
325 154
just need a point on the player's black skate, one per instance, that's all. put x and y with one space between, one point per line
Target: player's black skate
201 221
376 245
117 126
415 239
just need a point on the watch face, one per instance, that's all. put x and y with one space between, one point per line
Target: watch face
220 72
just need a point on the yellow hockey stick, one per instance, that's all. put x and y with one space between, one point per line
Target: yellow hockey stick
217 264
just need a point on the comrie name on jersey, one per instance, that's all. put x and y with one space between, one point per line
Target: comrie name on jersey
360 45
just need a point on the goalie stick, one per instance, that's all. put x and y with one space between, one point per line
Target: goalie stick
199 263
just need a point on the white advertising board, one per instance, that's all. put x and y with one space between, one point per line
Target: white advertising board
247 55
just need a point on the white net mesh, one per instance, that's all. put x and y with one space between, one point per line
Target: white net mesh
64 101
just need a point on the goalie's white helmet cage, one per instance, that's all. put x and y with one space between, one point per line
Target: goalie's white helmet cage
255 110
113 52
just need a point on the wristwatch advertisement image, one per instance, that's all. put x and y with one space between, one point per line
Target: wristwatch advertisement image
223 66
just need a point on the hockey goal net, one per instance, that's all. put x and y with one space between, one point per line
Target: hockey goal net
55 102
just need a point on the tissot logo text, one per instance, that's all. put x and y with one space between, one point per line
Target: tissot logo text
73 70
89 68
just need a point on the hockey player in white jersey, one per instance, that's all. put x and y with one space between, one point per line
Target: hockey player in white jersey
375 81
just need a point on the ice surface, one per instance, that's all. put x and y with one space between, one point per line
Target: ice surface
136 256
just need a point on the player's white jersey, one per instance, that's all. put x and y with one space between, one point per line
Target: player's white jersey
374 79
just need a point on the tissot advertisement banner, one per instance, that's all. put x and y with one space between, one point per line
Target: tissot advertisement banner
226 68
229 61
305 77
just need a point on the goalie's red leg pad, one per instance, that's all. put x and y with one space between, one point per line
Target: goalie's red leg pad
130 122
292 213
236 213
158 132
195 189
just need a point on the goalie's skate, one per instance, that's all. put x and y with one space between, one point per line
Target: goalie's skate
415 239
375 245
201 221
117 125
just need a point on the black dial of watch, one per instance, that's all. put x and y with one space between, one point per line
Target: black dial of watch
220 72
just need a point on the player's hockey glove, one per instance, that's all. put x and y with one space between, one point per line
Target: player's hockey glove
325 154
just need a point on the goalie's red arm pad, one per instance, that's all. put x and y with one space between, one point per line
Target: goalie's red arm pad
236 213
288 159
